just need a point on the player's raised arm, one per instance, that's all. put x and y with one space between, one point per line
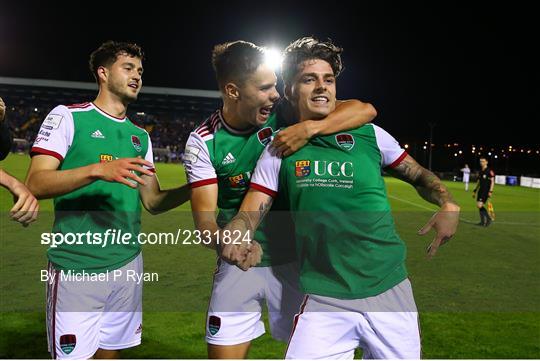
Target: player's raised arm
431 188
401 165
349 114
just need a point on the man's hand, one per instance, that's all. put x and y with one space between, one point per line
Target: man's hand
26 207
253 256
2 109
445 223
291 139
233 253
244 255
120 169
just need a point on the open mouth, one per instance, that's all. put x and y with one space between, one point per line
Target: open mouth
266 111
320 99
133 85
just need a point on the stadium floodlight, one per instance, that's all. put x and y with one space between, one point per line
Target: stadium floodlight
273 58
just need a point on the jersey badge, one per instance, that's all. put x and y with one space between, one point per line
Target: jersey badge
136 143
238 181
302 168
345 141
191 154
214 323
52 121
67 343
104 158
264 135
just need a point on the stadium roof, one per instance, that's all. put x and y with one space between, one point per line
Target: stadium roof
49 93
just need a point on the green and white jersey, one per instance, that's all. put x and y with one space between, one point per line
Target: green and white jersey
80 135
345 235
217 153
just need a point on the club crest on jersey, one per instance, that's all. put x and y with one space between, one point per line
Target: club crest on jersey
104 158
238 181
345 141
214 323
67 343
302 168
265 135
136 143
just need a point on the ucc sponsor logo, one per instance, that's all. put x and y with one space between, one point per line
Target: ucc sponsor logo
333 168
303 168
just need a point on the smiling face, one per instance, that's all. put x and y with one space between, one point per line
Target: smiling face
124 77
257 95
313 91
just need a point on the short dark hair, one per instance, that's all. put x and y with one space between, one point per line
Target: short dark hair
308 48
236 61
109 51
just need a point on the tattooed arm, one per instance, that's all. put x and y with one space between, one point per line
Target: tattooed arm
254 208
427 184
431 188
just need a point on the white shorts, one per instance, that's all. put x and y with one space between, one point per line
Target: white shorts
235 310
384 326
86 314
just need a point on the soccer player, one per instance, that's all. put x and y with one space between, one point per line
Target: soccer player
98 167
220 156
483 191
352 262
466 175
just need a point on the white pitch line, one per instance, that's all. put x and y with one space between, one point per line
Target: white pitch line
461 219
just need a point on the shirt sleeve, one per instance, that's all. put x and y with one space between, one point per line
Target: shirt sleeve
391 152
196 159
149 157
55 135
266 175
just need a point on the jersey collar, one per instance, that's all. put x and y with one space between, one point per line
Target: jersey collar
232 129
107 115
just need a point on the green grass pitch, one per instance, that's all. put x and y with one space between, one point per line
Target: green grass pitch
478 298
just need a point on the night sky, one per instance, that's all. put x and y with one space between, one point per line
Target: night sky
469 69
